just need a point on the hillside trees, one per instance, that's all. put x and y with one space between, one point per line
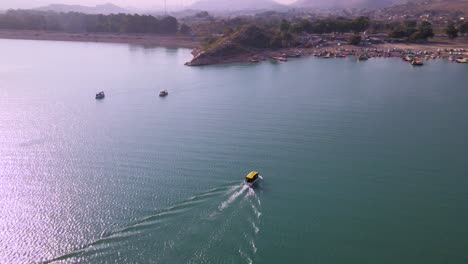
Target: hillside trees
412 31
79 22
451 31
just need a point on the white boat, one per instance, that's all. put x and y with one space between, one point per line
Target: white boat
280 58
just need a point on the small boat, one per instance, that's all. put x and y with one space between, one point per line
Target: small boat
296 54
362 58
462 60
100 96
251 178
417 62
254 60
281 58
407 58
163 93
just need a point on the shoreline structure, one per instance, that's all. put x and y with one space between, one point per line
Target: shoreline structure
434 49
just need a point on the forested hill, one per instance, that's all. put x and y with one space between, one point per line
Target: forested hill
434 6
237 5
347 3
79 22
104 9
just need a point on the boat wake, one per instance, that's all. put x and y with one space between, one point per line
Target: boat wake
233 197
202 228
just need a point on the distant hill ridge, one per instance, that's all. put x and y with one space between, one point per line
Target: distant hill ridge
348 3
440 5
233 5
239 5
108 8
230 5
415 5
430 6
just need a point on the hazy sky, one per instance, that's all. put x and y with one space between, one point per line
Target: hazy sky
5 4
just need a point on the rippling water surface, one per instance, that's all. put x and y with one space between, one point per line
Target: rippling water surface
362 162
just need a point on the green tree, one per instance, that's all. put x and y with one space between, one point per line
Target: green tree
184 29
79 22
425 30
452 31
464 27
208 41
360 24
228 31
285 25
276 41
355 40
410 27
410 23
168 25
287 39
416 36
398 33
302 26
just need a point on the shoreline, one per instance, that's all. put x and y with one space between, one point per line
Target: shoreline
438 48
434 49
179 41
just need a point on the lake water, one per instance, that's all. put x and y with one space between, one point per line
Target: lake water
361 162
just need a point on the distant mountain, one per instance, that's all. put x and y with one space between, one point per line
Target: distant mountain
430 6
230 5
444 5
347 3
98 9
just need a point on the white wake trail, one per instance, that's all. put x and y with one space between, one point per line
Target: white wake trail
232 198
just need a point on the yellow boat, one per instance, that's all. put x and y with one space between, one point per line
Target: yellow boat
252 178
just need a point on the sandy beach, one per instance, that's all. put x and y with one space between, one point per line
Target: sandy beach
142 39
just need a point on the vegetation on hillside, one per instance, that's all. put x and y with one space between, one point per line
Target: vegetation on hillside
451 31
79 22
331 25
272 34
412 31
240 36
355 40
464 28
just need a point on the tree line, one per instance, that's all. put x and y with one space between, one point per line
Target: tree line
284 37
331 25
79 22
413 31
452 30
282 33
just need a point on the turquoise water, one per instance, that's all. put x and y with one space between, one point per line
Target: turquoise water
362 162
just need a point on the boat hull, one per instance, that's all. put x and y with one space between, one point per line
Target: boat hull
251 184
